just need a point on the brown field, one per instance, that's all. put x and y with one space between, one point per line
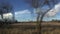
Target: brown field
30 28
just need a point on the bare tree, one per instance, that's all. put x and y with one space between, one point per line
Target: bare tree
6 8
39 4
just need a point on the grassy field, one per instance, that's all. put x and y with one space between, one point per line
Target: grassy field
30 28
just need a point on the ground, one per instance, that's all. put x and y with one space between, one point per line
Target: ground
30 28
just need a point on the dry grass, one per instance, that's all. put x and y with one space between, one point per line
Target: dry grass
47 28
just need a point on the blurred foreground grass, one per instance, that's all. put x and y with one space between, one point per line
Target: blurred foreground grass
20 29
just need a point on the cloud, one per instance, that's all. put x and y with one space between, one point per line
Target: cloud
8 15
23 12
24 15
54 11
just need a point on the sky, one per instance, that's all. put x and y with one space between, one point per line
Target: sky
25 12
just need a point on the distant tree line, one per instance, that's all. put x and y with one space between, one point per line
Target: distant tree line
55 20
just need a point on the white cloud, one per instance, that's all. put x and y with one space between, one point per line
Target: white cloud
23 12
8 15
53 11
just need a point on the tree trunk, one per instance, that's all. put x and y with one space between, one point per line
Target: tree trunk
38 16
39 26
2 16
41 19
13 16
